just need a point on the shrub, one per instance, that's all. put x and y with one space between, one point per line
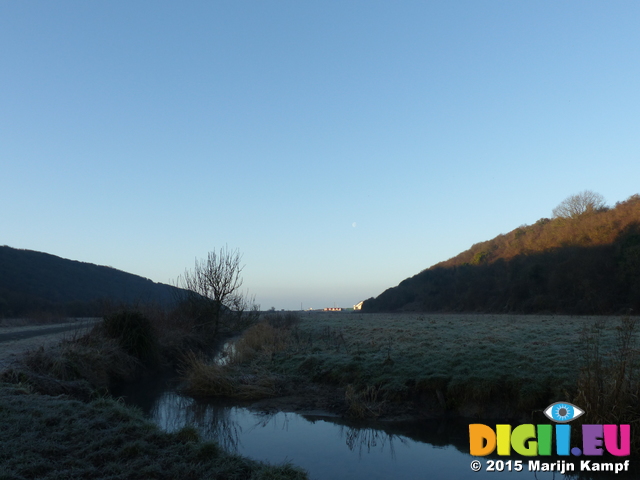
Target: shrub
134 332
75 367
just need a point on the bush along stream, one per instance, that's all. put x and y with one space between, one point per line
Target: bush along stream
58 420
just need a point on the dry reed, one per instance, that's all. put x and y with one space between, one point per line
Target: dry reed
260 339
609 384
363 403
204 379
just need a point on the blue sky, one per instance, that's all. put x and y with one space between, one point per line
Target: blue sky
340 146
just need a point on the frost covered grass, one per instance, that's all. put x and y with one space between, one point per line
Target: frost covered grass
470 364
49 437
526 361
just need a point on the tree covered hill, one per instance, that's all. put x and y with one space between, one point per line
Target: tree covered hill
33 282
585 260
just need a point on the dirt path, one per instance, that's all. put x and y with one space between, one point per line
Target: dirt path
16 340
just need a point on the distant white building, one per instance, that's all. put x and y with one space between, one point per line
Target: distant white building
358 306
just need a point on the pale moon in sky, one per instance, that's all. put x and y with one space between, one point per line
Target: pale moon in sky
353 224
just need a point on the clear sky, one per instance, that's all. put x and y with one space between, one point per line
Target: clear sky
341 146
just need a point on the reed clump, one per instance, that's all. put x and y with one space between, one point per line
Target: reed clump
261 339
364 402
206 379
243 374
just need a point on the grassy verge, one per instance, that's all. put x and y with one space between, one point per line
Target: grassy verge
124 346
49 437
468 364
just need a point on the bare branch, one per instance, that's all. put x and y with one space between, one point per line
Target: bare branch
214 289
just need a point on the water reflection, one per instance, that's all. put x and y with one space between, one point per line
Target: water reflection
368 439
332 447
327 447
226 424
173 411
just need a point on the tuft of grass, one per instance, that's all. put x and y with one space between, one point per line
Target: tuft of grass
363 403
261 339
188 433
204 379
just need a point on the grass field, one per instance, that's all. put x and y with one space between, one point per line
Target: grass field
524 361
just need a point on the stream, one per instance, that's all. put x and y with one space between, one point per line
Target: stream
328 447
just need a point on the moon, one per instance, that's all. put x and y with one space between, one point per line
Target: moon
353 224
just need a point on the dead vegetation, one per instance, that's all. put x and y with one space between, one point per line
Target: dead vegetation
127 343
366 402
82 366
243 374
203 378
262 339
608 388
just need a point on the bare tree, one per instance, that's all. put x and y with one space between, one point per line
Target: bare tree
212 292
579 204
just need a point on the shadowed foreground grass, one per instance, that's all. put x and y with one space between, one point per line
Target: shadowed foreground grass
47 437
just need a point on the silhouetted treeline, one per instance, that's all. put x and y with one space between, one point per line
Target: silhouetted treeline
34 282
584 265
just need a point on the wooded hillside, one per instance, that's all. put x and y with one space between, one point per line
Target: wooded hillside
34 282
584 263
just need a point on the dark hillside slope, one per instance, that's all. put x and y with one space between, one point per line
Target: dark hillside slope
35 282
584 265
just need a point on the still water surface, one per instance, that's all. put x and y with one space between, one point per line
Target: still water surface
327 447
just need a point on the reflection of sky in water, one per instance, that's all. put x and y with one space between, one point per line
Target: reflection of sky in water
327 450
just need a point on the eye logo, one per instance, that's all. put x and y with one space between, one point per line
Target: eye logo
563 412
